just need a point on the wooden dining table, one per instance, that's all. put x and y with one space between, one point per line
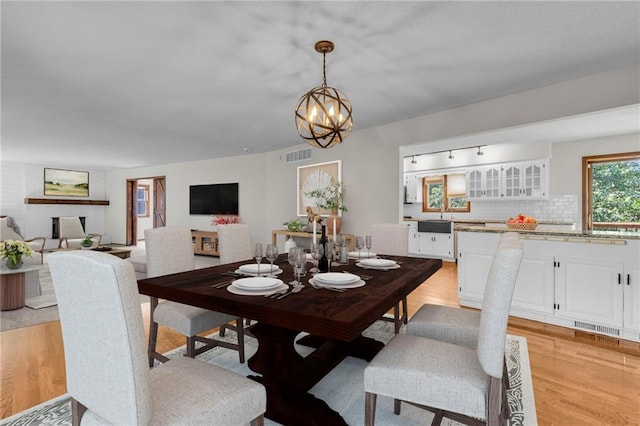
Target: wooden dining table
333 320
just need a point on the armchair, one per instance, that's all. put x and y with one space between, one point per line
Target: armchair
72 233
9 230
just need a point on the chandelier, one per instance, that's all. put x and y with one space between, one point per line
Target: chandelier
323 114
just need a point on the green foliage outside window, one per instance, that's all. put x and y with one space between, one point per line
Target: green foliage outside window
616 192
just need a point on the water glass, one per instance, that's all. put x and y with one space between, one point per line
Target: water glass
316 253
300 260
329 252
367 240
258 254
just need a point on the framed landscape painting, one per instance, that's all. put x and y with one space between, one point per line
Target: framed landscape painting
60 182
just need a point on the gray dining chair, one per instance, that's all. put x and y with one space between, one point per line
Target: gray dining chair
234 245
459 326
107 374
451 380
170 250
392 239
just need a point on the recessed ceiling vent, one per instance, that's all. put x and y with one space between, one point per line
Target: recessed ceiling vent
299 155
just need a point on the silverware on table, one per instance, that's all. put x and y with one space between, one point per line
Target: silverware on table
222 284
295 289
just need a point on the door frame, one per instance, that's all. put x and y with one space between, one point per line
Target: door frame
158 208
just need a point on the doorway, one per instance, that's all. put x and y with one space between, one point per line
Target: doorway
146 206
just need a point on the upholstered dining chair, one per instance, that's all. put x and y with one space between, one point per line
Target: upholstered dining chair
9 230
454 381
234 245
107 373
234 242
72 233
392 239
448 324
170 250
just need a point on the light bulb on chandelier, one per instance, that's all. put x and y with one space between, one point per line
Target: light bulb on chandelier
323 115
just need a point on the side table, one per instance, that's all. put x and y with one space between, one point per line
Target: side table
12 286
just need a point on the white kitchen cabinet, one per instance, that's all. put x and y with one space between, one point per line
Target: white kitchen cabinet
588 290
483 183
631 283
413 188
414 238
524 180
591 285
431 244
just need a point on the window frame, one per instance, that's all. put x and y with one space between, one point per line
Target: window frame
145 189
446 202
587 183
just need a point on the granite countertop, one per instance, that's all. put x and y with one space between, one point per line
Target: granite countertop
483 221
551 233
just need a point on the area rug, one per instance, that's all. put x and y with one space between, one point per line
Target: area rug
342 389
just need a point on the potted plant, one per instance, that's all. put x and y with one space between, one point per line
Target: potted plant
86 242
12 251
294 225
331 198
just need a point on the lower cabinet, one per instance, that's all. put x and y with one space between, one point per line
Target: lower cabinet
593 286
431 244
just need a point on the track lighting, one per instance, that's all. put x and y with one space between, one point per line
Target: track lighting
479 152
451 157
413 159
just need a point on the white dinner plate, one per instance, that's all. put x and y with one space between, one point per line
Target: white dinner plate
378 263
257 283
236 290
379 268
335 278
278 271
356 284
252 268
363 254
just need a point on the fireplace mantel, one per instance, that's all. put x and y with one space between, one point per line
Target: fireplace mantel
66 201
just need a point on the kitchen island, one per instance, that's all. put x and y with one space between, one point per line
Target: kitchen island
586 280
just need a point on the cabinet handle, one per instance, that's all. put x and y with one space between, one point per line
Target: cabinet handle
628 279
619 278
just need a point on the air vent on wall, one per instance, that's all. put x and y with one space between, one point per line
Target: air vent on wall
299 155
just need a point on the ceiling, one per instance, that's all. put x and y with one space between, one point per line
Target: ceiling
128 84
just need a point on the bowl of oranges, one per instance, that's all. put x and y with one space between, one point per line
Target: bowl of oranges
522 222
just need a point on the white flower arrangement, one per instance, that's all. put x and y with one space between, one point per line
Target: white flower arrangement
14 250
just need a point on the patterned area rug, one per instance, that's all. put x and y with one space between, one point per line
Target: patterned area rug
342 389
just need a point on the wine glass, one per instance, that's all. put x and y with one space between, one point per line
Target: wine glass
359 245
329 252
258 254
316 254
291 258
367 240
271 254
300 260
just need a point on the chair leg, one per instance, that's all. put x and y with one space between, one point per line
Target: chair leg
396 407
240 327
494 403
77 411
397 320
191 347
370 409
223 330
258 421
153 332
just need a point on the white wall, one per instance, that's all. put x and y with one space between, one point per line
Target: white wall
20 181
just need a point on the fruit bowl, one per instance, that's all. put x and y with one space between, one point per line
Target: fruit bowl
524 226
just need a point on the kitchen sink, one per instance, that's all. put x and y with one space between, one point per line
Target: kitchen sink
438 226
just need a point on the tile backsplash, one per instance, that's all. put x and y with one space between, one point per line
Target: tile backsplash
557 208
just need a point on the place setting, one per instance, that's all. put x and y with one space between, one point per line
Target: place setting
378 264
257 286
338 281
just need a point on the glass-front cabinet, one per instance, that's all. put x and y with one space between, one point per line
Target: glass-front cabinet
483 183
518 180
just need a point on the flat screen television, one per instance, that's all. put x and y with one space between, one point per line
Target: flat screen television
218 198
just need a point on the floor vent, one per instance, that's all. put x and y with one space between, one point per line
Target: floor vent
299 155
597 328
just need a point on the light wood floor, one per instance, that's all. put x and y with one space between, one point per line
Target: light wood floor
577 378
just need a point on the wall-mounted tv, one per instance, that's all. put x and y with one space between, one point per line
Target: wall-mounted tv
219 198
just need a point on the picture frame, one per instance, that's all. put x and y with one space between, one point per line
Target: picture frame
66 183
315 176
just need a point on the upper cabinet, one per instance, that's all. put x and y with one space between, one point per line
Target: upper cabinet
519 180
413 188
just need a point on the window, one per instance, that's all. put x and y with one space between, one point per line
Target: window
611 188
142 205
445 193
